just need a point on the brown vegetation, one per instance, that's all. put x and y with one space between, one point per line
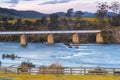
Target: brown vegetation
52 69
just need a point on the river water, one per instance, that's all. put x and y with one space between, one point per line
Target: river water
87 55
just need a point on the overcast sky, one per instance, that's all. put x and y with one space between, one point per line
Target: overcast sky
51 6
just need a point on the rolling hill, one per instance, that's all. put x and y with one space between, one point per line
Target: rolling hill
35 14
23 14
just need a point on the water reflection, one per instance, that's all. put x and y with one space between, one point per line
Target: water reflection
76 45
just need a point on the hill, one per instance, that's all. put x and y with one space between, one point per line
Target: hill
7 12
88 14
23 14
35 14
85 14
60 13
30 14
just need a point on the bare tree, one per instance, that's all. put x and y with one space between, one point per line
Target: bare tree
115 7
102 12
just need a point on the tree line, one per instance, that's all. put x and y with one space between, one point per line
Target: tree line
54 22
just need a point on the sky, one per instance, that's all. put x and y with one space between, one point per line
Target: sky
52 6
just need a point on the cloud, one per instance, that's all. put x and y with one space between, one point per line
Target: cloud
28 0
55 2
12 2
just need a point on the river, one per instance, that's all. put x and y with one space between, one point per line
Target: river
87 55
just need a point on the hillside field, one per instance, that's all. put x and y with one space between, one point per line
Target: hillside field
91 19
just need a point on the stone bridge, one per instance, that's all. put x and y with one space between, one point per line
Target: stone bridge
50 35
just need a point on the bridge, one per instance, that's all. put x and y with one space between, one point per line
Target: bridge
50 39
49 32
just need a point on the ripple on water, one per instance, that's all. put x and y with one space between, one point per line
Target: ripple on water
85 55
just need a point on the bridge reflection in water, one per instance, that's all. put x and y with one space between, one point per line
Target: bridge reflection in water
50 37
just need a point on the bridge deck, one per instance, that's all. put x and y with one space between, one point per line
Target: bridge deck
48 32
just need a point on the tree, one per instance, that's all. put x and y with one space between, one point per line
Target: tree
69 12
63 23
44 21
53 18
115 7
18 24
28 23
102 12
54 22
115 20
6 24
79 14
4 19
107 36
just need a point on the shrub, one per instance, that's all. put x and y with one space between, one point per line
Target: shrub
25 66
107 36
98 70
52 69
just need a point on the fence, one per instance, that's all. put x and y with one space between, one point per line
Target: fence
64 70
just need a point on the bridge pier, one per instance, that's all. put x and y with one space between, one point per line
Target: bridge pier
99 38
75 38
23 40
50 39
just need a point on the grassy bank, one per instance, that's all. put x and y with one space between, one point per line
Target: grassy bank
57 77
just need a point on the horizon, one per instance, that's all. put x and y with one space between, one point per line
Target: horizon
52 6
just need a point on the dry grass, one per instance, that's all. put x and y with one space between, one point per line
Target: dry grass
23 19
91 19
58 77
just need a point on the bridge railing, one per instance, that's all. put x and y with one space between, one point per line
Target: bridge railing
64 70
48 32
